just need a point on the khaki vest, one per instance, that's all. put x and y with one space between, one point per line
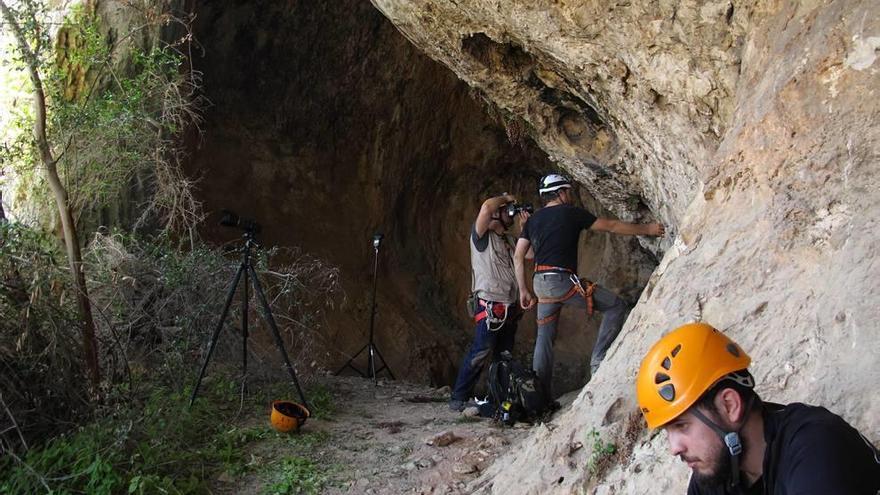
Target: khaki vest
494 276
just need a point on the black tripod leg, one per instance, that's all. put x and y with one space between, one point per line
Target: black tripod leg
349 365
245 299
384 364
216 334
372 350
267 314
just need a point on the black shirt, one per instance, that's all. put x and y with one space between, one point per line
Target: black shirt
481 243
554 231
812 451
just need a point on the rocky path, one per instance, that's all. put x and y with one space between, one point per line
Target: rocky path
389 438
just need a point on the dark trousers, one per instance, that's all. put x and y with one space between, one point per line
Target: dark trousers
487 345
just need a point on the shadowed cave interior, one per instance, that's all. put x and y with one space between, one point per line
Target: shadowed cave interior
326 125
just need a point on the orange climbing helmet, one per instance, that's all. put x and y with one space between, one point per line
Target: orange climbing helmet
288 416
683 365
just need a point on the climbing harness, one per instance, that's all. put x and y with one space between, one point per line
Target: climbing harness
579 286
495 314
550 268
585 288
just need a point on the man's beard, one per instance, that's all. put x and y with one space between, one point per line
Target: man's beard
719 477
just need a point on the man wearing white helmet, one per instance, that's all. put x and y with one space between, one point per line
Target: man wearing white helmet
553 233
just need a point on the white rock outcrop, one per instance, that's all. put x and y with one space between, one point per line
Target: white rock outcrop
750 129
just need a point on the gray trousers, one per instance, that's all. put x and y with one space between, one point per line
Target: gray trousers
554 285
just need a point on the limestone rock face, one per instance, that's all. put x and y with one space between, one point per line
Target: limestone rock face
750 129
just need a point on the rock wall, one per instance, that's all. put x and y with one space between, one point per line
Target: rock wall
328 125
749 128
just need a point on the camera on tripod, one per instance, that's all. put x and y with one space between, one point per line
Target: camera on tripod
247 276
513 209
231 219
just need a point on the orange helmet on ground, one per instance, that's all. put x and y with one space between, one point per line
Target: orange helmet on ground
681 366
288 416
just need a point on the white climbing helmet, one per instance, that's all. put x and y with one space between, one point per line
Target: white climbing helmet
553 182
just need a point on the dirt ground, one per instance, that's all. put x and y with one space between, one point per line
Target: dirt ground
385 438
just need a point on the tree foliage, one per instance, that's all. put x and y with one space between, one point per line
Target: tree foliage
116 112
155 306
97 124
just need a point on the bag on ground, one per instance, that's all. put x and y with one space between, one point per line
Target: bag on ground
515 391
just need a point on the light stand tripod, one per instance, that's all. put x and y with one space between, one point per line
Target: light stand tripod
246 270
370 347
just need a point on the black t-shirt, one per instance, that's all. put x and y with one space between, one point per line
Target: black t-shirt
812 451
481 243
554 232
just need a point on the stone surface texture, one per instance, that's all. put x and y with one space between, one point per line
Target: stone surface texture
326 126
750 129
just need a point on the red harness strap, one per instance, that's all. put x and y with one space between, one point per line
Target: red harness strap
543 321
550 300
586 289
497 310
551 268
583 287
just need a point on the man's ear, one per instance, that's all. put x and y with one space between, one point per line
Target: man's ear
730 406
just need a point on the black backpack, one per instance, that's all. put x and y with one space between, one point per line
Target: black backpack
515 391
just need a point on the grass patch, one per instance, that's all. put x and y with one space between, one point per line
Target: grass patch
602 453
322 401
308 439
157 444
297 475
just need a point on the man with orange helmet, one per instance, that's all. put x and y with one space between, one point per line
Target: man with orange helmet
695 384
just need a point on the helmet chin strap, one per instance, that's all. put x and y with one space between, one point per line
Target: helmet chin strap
731 441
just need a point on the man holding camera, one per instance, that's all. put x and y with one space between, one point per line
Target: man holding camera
494 292
553 233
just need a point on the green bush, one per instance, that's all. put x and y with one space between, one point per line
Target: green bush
44 383
116 110
157 444
157 306
297 475
602 453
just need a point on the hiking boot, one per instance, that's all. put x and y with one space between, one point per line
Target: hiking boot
457 405
461 405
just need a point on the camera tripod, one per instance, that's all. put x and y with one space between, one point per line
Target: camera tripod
370 347
246 271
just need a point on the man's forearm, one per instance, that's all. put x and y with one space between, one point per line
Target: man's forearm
623 228
519 267
496 202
